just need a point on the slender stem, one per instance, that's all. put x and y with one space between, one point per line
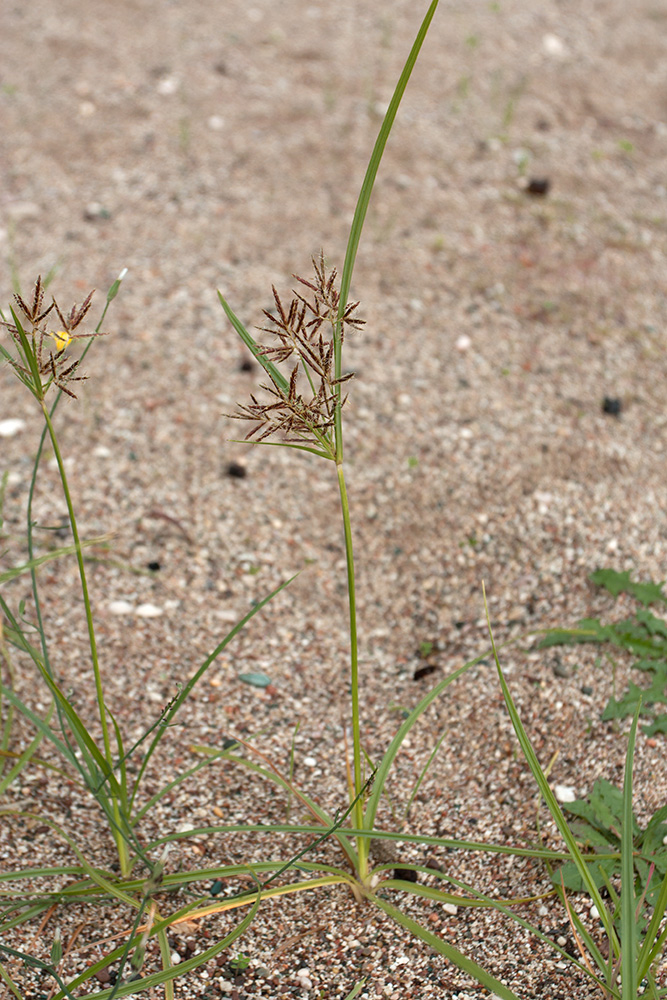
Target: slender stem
119 824
362 843
84 588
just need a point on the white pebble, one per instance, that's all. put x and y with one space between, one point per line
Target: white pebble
594 912
21 210
450 908
216 123
148 611
553 46
175 958
167 86
11 426
463 343
121 607
309 761
102 451
565 793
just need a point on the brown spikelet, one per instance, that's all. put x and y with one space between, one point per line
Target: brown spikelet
306 330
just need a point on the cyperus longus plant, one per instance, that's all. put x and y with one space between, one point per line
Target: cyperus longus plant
310 335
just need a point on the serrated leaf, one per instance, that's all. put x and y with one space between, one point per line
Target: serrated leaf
603 809
653 624
573 880
620 583
658 726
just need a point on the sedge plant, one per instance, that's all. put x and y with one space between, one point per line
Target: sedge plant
95 765
302 410
311 332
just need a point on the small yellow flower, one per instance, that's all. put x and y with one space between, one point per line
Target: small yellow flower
62 338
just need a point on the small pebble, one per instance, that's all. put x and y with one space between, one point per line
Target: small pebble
11 426
612 406
309 762
450 908
19 211
168 85
463 343
538 186
236 470
552 45
565 793
148 611
94 211
121 608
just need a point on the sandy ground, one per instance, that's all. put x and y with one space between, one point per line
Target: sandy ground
208 146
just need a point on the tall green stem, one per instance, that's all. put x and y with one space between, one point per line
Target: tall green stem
362 843
119 822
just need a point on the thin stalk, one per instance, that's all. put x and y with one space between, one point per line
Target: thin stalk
118 824
84 588
629 958
362 843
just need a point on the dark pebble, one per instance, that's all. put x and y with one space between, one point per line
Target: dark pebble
587 689
612 406
103 976
408 875
420 672
246 365
236 471
154 566
538 186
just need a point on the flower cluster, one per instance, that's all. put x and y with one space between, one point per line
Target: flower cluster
42 365
299 330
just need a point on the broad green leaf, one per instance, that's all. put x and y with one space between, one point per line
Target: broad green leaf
620 583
